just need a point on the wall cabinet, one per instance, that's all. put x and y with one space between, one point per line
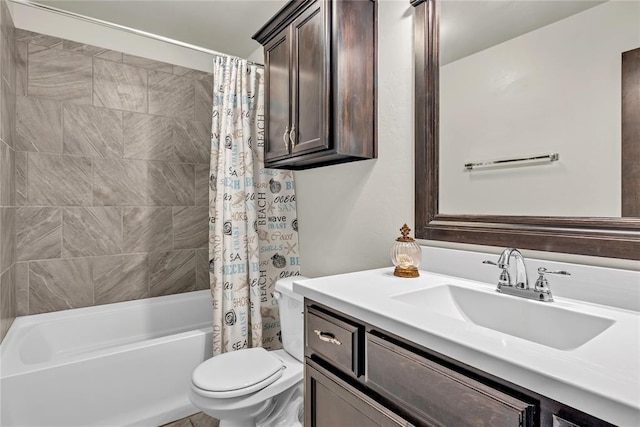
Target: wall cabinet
359 375
320 75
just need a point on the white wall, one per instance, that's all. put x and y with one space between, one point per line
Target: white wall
53 24
349 215
556 89
257 56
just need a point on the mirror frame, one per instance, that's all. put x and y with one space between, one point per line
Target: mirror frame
604 237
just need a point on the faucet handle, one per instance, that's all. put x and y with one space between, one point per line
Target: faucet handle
505 278
542 284
542 271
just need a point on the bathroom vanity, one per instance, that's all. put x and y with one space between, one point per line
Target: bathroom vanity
386 351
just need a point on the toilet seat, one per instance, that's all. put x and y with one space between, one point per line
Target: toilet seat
237 373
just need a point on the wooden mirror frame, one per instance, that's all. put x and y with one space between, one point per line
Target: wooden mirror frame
604 237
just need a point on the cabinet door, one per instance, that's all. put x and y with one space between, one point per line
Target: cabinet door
438 395
277 96
330 402
310 99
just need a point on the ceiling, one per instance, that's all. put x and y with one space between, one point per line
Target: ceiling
469 26
225 26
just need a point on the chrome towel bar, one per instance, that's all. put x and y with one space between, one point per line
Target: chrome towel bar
551 157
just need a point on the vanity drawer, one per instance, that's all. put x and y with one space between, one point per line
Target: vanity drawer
438 395
333 339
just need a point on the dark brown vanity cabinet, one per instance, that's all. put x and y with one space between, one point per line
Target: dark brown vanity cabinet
358 375
320 71
332 402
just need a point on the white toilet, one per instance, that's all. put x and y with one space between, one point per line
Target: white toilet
254 387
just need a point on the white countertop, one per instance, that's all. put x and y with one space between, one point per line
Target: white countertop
601 377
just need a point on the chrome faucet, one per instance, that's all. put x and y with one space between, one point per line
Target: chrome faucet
520 288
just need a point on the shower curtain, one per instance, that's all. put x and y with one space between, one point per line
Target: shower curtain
253 229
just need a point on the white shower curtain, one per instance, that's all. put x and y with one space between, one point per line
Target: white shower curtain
253 228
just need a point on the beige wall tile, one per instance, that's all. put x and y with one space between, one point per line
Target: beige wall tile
38 233
172 272
91 131
202 185
7 175
97 175
147 63
55 180
25 36
171 184
8 47
191 73
7 113
119 86
22 52
147 229
59 74
60 285
120 278
120 182
89 50
7 237
91 231
148 137
39 125
190 227
192 141
22 288
21 178
204 100
171 95
202 269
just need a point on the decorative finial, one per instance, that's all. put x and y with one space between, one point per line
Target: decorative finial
405 230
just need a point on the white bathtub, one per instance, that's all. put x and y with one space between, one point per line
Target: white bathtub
121 364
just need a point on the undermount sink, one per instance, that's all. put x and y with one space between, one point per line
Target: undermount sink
540 322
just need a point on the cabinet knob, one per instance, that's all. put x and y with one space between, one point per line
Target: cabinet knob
285 138
292 136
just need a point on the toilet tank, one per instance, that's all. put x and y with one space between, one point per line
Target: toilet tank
291 317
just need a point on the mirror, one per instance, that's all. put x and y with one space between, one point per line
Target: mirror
561 206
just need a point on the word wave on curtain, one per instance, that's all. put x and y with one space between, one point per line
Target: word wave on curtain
253 229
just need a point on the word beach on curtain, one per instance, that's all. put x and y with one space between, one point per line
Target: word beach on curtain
253 229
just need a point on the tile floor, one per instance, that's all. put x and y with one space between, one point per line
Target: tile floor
196 420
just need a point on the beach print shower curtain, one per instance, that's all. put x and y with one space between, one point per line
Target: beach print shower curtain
253 228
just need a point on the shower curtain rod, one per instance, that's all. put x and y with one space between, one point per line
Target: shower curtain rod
124 28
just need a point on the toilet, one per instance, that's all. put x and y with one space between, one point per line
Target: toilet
255 387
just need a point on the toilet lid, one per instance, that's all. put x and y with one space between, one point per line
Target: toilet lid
238 372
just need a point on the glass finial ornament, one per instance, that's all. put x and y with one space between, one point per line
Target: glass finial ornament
406 255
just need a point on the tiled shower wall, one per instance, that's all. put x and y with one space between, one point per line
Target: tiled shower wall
7 168
112 160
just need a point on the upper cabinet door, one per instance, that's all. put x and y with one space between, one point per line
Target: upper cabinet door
310 71
327 92
277 95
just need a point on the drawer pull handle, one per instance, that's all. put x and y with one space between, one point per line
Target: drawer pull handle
326 337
